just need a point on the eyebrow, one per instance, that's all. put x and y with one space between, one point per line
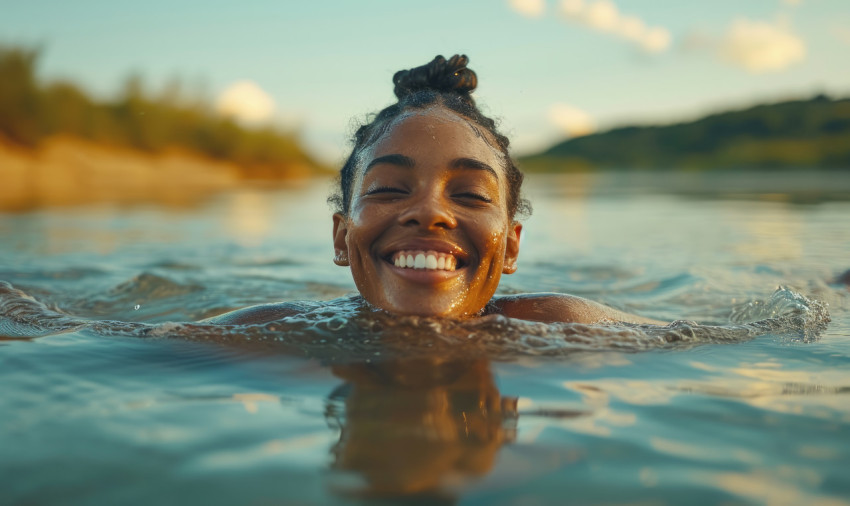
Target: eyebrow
472 163
394 159
408 163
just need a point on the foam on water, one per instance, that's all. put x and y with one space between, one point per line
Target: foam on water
348 329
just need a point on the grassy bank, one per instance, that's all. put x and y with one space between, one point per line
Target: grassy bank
34 112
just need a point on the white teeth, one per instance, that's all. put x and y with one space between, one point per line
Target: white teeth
430 260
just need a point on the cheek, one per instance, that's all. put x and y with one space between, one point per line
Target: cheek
492 237
366 224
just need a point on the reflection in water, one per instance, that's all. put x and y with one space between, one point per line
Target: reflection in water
418 426
771 232
250 217
819 394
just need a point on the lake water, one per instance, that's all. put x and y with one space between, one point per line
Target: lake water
749 405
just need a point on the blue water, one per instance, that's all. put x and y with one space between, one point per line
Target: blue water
745 401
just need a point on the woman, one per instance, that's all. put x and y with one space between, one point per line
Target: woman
427 211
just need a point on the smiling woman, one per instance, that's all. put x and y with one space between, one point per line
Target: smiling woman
428 193
427 211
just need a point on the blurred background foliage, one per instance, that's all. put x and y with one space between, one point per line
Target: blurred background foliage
812 133
31 111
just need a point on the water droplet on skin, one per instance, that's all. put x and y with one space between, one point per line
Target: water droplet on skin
137 306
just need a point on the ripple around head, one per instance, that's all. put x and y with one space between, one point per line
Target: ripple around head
344 330
347 329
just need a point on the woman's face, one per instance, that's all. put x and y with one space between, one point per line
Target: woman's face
428 231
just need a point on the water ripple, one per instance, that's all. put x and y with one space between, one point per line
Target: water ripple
347 329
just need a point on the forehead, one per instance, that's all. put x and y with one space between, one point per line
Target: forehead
435 133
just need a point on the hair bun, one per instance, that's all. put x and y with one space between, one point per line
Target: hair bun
440 75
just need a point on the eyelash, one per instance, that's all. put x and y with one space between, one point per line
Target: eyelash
389 189
385 189
476 196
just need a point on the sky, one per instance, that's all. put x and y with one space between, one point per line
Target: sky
547 69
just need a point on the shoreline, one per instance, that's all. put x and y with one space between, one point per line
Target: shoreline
68 171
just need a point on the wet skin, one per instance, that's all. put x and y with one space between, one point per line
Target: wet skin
434 183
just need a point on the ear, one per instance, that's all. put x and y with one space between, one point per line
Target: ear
340 245
512 248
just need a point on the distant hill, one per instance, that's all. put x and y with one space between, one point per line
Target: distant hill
785 135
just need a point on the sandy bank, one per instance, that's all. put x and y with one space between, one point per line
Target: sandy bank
68 171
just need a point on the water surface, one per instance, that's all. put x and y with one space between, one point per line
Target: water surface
745 401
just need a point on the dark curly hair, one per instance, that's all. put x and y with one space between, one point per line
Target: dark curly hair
448 83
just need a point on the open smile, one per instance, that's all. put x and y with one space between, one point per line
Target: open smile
425 259
426 263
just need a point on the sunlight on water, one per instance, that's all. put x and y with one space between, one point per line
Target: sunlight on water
774 233
742 399
250 218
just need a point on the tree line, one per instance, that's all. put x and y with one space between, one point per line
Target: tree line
812 133
31 111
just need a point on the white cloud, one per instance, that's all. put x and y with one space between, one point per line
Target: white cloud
656 39
571 120
528 8
604 16
761 46
247 102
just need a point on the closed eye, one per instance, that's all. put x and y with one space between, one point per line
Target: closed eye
471 195
384 189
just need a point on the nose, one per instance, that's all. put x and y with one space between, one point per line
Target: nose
428 210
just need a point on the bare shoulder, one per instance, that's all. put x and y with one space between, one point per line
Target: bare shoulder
560 307
263 313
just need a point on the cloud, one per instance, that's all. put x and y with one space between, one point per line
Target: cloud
656 40
528 8
604 16
571 120
246 102
761 46
792 2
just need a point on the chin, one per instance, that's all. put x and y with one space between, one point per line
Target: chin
419 310
415 308
405 293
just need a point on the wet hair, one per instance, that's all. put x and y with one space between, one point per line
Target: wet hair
447 83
